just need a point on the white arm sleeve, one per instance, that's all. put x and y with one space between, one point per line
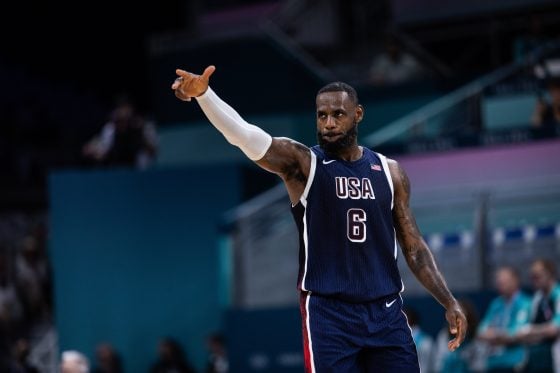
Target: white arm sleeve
252 140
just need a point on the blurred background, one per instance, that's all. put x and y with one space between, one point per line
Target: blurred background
133 233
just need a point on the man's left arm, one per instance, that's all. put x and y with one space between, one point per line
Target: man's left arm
536 333
420 259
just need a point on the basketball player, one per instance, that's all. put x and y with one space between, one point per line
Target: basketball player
350 205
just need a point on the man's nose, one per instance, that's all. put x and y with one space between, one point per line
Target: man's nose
331 123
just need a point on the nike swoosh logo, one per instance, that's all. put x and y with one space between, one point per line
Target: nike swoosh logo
389 304
327 162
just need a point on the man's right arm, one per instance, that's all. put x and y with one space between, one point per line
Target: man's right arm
287 158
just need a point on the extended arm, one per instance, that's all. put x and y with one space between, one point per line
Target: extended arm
287 158
419 257
536 333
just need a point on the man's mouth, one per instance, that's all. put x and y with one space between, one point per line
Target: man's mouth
332 136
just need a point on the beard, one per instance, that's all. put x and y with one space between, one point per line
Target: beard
334 147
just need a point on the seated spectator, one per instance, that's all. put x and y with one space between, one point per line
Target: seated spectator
505 316
74 362
217 359
394 65
126 140
544 327
546 116
20 363
11 310
33 280
529 41
107 360
171 358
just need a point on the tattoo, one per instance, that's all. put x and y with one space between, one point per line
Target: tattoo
293 172
415 250
290 160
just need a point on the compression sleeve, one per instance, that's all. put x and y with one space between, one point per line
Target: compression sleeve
252 140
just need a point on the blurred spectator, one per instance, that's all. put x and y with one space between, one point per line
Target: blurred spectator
546 116
544 325
127 139
10 307
469 357
217 359
33 280
171 358
394 65
505 316
20 353
107 360
535 37
74 362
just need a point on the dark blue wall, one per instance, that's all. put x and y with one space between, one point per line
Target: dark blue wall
135 258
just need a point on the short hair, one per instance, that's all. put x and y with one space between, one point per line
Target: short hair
512 270
548 265
341 87
80 360
217 338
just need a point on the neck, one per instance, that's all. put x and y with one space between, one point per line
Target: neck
351 153
509 297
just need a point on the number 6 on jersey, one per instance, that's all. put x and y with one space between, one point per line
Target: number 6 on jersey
356 221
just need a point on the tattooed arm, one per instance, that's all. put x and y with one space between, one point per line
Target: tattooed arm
419 257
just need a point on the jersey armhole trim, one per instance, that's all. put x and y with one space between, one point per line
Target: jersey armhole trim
312 168
388 175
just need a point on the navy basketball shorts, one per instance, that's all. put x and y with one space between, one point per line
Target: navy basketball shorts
348 337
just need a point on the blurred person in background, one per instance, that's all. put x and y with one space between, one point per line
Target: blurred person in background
127 139
33 280
106 359
505 316
74 362
11 310
534 37
217 358
394 65
424 342
351 206
544 327
20 353
546 116
171 358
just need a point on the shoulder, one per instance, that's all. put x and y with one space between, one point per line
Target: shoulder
287 143
496 303
394 166
399 176
556 292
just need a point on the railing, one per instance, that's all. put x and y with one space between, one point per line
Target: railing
469 234
459 111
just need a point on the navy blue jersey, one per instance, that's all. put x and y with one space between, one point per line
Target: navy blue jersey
348 247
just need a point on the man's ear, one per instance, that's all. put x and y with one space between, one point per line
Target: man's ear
359 114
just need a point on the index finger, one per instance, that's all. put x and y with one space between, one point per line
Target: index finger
182 73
